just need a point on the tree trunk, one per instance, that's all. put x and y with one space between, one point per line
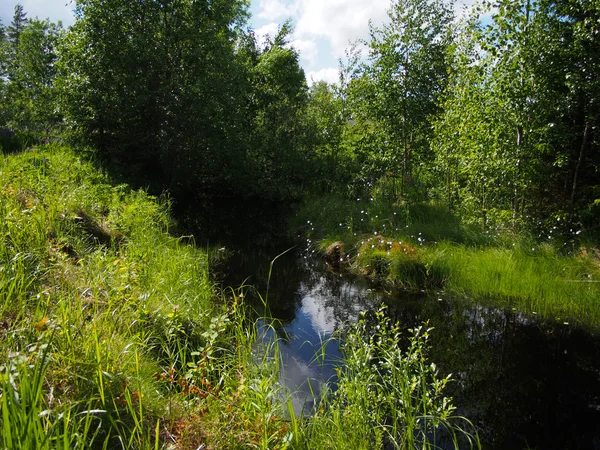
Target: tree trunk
586 133
516 184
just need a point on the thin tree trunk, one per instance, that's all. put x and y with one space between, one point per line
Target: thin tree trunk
404 164
516 184
579 161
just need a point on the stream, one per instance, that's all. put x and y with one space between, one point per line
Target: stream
525 383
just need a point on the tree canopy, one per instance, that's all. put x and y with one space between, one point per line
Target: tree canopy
495 115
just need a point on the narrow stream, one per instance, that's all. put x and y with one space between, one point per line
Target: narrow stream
524 382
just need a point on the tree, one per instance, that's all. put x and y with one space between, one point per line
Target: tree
154 86
396 90
280 153
30 93
3 74
16 28
516 138
326 113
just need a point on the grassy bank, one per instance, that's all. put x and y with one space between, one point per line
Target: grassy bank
112 336
100 303
425 247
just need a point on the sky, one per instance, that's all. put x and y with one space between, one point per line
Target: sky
324 29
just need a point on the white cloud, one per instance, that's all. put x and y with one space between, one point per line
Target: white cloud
339 21
330 74
307 48
269 30
275 9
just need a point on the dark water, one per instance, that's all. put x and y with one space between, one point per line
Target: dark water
525 383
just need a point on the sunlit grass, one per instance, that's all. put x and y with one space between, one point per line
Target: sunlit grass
426 247
537 280
112 335
90 274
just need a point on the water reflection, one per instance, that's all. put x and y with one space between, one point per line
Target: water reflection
322 302
525 383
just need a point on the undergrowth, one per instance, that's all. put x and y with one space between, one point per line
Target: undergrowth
112 336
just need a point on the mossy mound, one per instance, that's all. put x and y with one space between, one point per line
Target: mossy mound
335 256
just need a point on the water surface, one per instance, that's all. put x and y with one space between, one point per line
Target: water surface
525 382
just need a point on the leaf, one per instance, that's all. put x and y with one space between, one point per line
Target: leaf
42 324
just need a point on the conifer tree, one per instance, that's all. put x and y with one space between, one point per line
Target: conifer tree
17 25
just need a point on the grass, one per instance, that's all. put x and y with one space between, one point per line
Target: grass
126 313
387 397
425 247
90 273
112 335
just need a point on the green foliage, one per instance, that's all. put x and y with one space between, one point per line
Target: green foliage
16 26
388 395
30 93
27 68
335 160
393 95
280 150
515 136
177 96
157 91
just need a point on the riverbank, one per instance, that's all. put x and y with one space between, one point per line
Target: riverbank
114 336
425 247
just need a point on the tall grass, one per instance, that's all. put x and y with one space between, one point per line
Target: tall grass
112 335
387 397
426 247
537 280
93 265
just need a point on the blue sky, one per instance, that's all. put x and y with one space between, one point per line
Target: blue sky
323 28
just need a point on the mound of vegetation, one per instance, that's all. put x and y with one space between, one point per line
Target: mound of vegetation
426 247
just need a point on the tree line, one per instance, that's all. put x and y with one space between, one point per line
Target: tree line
495 114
